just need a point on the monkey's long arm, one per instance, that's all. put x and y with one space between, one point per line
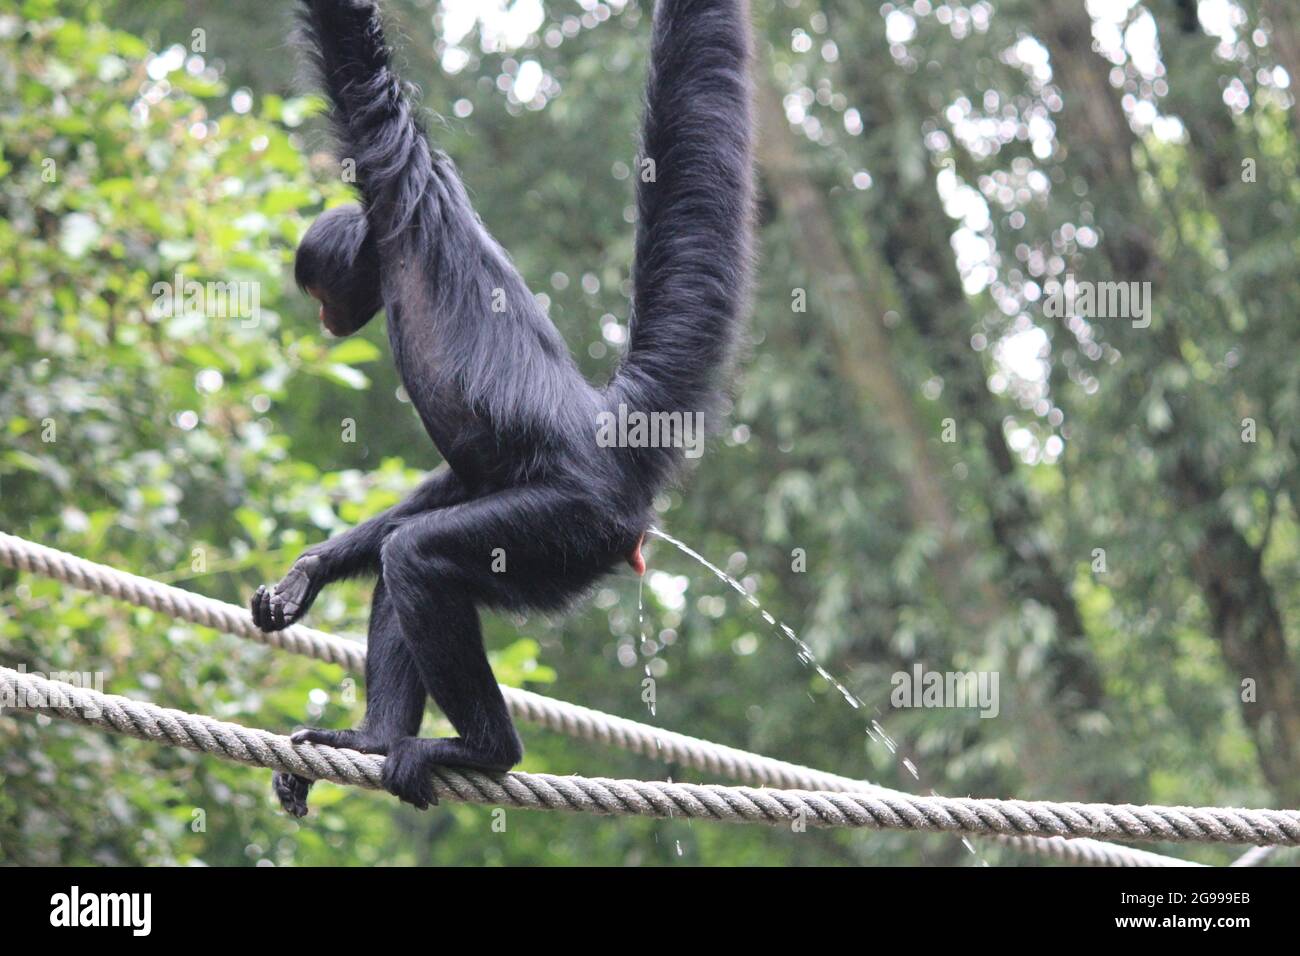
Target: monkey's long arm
440 263
411 192
369 109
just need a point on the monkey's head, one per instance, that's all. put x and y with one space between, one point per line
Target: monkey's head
338 265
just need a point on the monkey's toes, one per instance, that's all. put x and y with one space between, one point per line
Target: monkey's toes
350 739
291 790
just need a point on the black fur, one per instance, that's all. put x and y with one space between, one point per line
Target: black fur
494 383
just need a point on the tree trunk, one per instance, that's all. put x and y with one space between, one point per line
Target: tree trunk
854 302
1226 569
916 230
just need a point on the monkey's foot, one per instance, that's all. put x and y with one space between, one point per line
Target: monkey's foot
291 790
359 740
278 606
408 770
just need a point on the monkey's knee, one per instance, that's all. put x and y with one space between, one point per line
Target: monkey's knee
400 562
414 573
512 750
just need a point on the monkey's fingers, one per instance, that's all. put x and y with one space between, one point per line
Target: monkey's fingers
272 616
289 599
277 613
257 605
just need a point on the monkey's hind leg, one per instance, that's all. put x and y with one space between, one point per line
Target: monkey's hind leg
451 659
437 566
394 703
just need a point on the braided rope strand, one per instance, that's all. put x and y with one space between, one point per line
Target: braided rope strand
570 719
873 810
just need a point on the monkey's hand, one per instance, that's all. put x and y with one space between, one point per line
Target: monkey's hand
275 608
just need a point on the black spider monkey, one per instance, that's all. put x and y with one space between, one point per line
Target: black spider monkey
494 384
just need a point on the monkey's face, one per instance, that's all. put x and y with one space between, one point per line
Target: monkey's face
338 266
342 320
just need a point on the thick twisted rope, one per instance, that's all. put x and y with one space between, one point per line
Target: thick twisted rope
874 810
571 719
